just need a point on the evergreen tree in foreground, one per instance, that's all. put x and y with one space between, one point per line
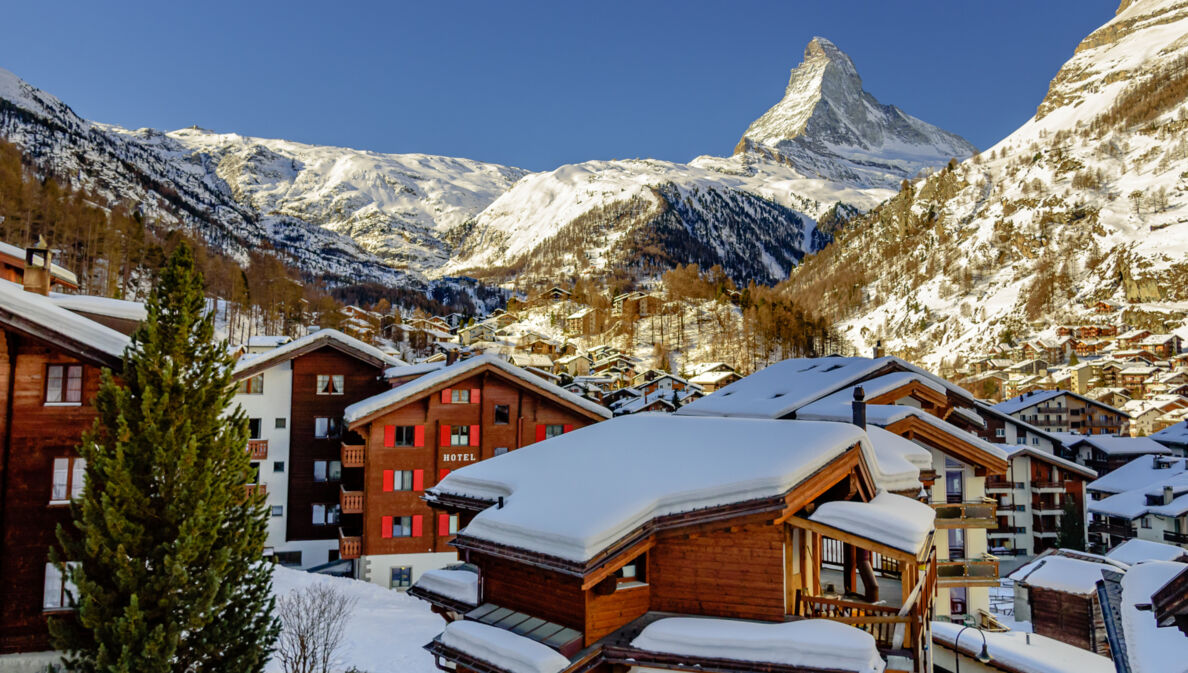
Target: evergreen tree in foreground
1071 534
165 550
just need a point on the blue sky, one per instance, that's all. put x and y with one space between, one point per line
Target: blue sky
534 85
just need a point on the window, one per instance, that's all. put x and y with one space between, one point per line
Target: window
402 526
401 577
278 466
1020 440
329 384
280 424
327 470
1146 521
1000 432
554 431
252 386
69 476
1035 441
278 510
327 427
460 435
500 450
253 428
288 558
502 414
404 435
1020 508
58 590
325 515
404 480
63 384
460 396
634 573
447 524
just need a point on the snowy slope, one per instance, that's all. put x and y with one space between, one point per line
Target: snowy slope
1084 202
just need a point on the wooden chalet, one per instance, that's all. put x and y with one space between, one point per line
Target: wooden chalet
50 364
1057 593
582 565
405 440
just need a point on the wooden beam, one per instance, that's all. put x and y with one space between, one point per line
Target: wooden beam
622 559
916 428
904 557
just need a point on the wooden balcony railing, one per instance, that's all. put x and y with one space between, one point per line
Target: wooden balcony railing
349 546
1108 528
1047 485
258 449
981 572
997 482
1174 537
966 514
353 455
351 501
879 621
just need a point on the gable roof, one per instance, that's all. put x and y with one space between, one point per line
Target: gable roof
1121 446
1174 435
58 272
365 409
250 365
1138 473
1028 400
1014 450
40 317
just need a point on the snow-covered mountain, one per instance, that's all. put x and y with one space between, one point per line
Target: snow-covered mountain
1086 202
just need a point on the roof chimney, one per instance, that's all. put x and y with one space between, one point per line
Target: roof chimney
451 356
1168 495
878 349
37 275
859 406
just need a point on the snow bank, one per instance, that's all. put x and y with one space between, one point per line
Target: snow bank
502 649
1150 649
891 519
1024 651
460 585
369 644
808 643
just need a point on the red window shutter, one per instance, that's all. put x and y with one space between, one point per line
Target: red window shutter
444 430
540 432
474 395
389 435
418 480
442 473
418 435
416 521
443 524
386 526
474 435
567 428
445 396
389 480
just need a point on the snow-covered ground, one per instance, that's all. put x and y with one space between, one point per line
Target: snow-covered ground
387 628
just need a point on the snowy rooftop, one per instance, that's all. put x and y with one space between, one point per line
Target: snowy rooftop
282 353
433 379
45 313
1036 452
56 271
1138 473
1135 551
808 643
502 649
1020 402
893 520
1134 503
1149 648
1176 434
1073 574
412 370
1122 446
1019 651
268 340
114 308
900 460
459 585
570 496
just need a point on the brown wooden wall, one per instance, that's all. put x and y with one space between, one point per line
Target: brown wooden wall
360 381
527 409
1064 617
534 591
729 573
607 614
39 434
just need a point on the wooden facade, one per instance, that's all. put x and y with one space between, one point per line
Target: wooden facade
1069 618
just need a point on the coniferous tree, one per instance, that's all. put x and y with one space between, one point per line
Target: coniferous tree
1071 534
165 550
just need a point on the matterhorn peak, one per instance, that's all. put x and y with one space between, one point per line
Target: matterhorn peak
821 55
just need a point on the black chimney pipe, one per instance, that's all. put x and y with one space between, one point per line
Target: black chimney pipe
859 406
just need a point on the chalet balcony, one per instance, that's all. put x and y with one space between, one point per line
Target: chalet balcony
257 449
350 501
890 628
1047 486
997 483
966 514
353 455
349 546
982 572
1174 537
1107 528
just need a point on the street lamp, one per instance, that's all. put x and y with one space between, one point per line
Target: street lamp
982 657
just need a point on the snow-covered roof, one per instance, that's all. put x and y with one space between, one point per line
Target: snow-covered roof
46 314
1073 573
460 585
900 460
113 308
432 380
570 497
314 340
577 315
807 643
1175 435
1021 402
1134 503
59 272
698 368
412 370
712 377
1151 648
891 519
1136 550
1138 473
502 649
1022 651
268 340
1016 450
1122 446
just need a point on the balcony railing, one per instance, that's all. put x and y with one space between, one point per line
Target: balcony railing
1107 528
981 572
1173 536
353 455
999 483
1047 485
349 546
258 449
350 501
966 514
879 621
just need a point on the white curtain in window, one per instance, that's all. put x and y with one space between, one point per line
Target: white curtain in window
61 478
78 478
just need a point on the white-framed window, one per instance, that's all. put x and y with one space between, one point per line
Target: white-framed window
69 476
280 423
460 396
329 384
58 591
325 515
401 577
1000 432
253 385
63 384
460 435
278 510
325 427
